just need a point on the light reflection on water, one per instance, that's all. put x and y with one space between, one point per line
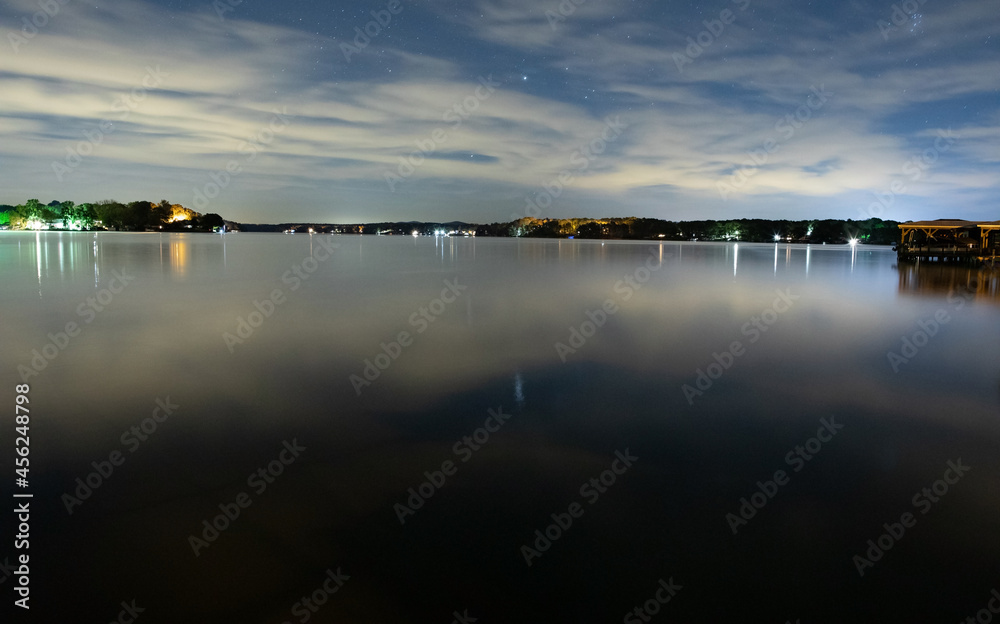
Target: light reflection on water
495 345
928 279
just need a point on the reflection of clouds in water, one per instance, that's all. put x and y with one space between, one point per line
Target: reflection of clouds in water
518 389
522 296
825 356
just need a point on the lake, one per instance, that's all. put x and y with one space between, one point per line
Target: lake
286 428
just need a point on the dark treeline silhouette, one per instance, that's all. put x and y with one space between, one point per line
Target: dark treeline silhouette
137 216
164 216
872 231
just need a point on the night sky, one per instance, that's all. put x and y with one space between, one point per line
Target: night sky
676 110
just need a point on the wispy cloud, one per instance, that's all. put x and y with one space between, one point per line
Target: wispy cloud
687 131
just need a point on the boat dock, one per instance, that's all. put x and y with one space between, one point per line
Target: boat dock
949 240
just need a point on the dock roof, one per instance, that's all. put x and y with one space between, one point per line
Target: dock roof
940 224
948 224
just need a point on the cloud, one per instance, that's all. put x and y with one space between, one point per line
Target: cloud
186 94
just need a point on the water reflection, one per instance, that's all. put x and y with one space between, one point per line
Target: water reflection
38 260
519 389
923 278
62 258
825 357
55 256
179 257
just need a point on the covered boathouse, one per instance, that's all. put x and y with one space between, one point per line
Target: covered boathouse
950 240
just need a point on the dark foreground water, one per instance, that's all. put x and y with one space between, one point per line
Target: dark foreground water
737 433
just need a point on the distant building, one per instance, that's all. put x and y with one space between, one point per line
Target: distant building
949 239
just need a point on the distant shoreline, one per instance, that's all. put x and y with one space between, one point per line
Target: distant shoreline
145 216
813 231
551 238
541 238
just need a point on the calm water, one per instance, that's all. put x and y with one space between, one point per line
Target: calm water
810 390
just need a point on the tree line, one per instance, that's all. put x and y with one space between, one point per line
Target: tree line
873 231
108 214
164 216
